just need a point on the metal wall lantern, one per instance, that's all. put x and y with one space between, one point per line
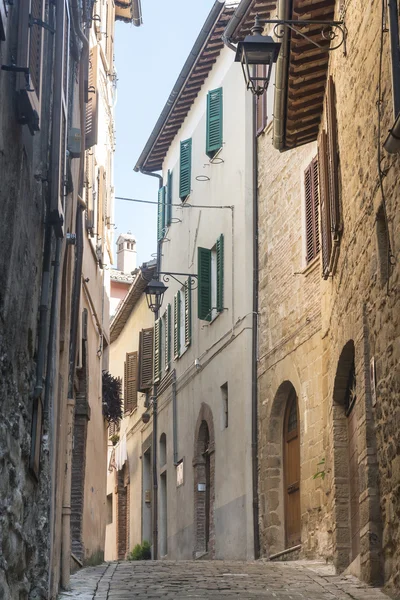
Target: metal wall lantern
257 49
155 291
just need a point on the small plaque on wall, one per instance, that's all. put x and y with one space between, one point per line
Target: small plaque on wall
201 487
179 473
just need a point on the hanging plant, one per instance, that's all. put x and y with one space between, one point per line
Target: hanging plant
112 400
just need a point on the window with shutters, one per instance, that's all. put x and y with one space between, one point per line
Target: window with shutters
130 381
88 182
177 325
30 56
210 290
60 119
167 338
168 208
161 213
185 169
311 200
328 160
157 350
146 359
92 99
182 319
214 122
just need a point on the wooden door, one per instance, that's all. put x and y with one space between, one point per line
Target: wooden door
291 444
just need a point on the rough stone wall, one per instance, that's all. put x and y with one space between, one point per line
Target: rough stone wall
290 349
23 499
358 304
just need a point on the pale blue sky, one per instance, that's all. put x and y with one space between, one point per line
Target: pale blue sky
148 61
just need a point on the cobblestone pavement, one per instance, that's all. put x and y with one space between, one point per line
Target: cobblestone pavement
297 580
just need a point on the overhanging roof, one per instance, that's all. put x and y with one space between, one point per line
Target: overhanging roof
198 65
128 11
243 20
143 276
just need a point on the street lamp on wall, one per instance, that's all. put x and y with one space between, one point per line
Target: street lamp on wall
257 49
155 291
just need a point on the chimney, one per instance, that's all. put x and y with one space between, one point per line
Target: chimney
126 253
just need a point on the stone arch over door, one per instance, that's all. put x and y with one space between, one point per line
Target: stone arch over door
276 481
204 483
346 484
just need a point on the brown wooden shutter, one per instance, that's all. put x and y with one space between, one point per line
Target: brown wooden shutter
89 175
311 210
146 359
60 118
333 156
325 220
92 99
30 55
130 372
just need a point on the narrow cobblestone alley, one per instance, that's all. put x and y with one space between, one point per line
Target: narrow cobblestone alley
218 579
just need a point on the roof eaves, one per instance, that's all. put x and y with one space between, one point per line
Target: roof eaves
179 85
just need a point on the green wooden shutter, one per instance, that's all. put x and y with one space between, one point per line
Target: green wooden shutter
214 122
168 218
177 325
188 312
220 273
157 350
168 337
161 214
185 169
204 285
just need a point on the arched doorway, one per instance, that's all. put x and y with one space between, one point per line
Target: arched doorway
204 486
346 476
291 458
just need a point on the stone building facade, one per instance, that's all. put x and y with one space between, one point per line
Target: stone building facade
329 327
54 301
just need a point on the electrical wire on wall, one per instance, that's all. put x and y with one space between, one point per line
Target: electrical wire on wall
383 172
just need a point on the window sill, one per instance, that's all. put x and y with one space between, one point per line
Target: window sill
311 267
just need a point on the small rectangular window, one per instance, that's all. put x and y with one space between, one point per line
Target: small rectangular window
109 509
214 122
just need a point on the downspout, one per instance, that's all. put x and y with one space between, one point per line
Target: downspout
154 436
281 73
254 343
66 509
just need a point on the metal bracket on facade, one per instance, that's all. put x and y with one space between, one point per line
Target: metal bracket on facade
191 276
40 23
331 31
16 69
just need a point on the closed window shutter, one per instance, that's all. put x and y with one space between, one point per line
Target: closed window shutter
220 273
161 214
92 107
185 168
169 200
311 209
188 312
157 350
333 156
177 325
168 337
204 284
60 119
214 122
146 338
131 365
325 220
30 55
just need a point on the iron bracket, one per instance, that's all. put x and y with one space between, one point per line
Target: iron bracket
40 23
191 276
330 31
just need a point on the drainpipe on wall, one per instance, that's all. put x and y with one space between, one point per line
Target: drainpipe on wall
66 508
154 436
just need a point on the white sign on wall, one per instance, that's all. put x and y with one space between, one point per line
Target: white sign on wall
179 473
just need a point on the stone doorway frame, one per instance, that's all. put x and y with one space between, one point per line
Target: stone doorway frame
274 505
204 424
